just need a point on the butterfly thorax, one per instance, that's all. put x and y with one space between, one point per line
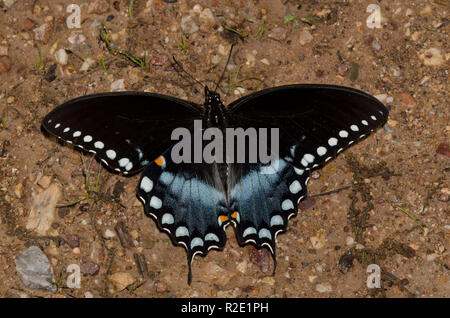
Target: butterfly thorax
215 112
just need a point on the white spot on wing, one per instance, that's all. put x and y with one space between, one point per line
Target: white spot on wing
321 151
212 237
87 138
287 205
146 184
276 220
248 231
155 202
182 231
354 128
77 134
264 233
111 154
332 141
343 134
295 187
99 145
167 218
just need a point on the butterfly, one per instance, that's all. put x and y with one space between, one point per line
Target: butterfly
193 202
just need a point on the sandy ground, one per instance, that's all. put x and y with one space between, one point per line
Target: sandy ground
394 212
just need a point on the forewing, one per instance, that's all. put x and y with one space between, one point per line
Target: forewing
316 122
125 130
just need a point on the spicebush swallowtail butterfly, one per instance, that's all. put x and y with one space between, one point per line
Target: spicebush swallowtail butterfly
194 202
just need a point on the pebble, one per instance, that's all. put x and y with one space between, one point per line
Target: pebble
207 19
88 294
307 203
318 240
324 288
73 240
443 149
89 268
345 263
28 24
242 266
44 32
43 209
349 241
109 234
216 274
5 64
407 100
160 287
76 251
312 278
315 174
188 25
278 34
305 37
118 85
98 6
61 57
76 39
34 269
431 57
3 50
121 280
261 258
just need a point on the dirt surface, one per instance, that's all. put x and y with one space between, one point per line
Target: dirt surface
393 210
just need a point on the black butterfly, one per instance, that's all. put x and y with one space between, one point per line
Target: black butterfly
194 202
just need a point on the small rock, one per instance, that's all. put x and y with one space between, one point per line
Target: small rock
28 24
109 234
188 24
265 61
88 294
3 50
73 240
8 3
307 203
88 63
431 257
278 34
345 263
207 20
324 288
158 58
315 174
44 32
118 85
342 70
61 57
76 39
76 251
432 57
305 37
63 212
407 100
261 258
349 241
319 268
98 6
216 274
443 197
368 39
242 266
443 149
18 190
43 208
318 241
34 269
121 280
89 268
376 45
268 280
5 64
160 287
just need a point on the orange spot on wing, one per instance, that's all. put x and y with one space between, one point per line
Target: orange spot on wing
234 215
223 218
160 161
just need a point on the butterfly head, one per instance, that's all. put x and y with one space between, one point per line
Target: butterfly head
211 97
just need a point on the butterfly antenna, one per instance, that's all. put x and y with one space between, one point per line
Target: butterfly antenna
184 71
225 68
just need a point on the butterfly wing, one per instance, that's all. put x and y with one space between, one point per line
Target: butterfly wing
125 130
263 198
315 122
187 201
